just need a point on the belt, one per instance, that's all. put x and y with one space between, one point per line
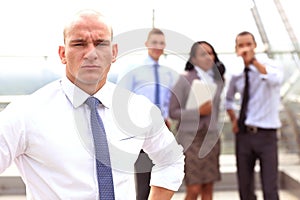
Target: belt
254 129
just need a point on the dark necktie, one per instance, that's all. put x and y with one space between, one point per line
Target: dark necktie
243 111
157 88
104 172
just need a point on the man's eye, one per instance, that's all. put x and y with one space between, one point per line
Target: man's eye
78 44
102 43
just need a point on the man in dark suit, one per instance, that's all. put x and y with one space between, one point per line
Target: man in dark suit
256 127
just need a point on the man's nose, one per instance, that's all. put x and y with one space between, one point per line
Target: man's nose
91 53
158 46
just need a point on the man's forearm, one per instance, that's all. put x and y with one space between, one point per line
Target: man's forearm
231 115
159 193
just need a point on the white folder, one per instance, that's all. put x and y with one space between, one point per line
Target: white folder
200 93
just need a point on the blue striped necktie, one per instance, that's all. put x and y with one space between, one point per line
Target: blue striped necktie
104 172
157 88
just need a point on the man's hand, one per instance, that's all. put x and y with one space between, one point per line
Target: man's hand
235 127
234 121
247 54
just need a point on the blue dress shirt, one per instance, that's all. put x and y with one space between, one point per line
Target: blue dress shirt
264 92
140 79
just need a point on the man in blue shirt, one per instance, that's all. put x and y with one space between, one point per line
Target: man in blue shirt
147 77
256 127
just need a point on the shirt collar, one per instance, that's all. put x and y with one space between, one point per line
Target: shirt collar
207 76
150 61
252 68
77 96
105 94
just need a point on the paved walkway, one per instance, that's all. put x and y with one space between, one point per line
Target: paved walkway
218 195
233 195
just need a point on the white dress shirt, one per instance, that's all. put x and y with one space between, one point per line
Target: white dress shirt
47 134
206 76
264 94
140 79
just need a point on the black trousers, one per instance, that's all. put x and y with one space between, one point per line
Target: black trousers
143 167
261 145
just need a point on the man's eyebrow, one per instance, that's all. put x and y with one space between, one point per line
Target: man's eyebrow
102 40
96 41
77 40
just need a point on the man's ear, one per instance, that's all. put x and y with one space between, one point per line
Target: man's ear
61 53
147 44
114 52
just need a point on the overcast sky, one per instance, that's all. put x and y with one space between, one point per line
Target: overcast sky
35 26
31 30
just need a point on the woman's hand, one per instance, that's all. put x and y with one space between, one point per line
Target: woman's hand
206 108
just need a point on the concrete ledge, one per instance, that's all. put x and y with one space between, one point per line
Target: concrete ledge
290 184
229 183
289 176
11 185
